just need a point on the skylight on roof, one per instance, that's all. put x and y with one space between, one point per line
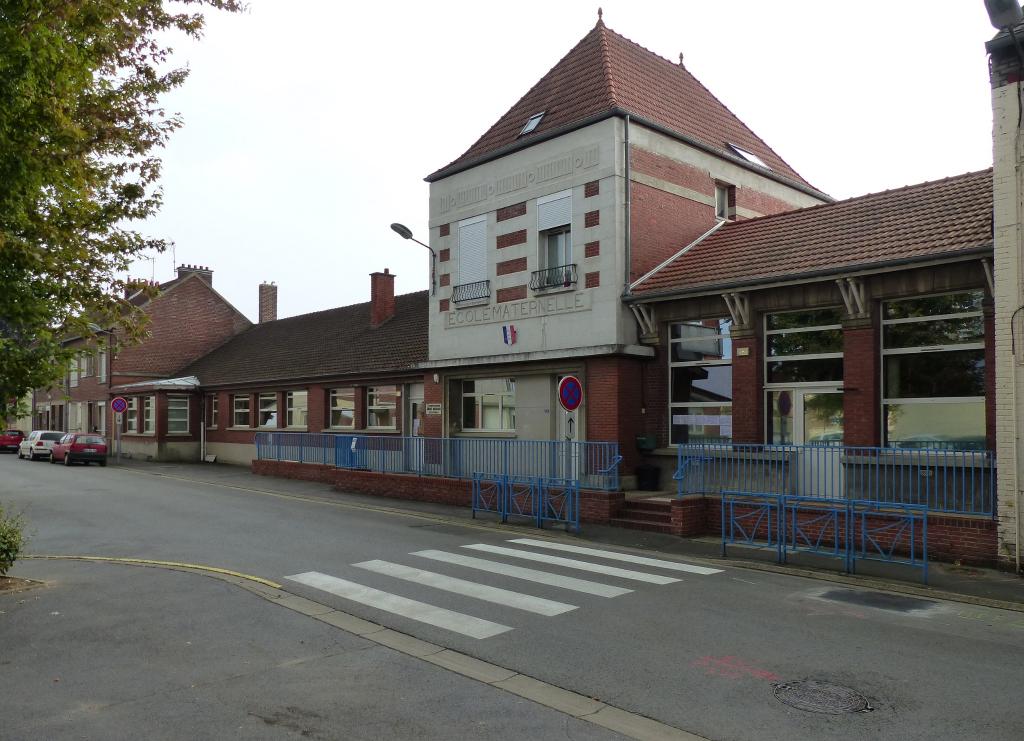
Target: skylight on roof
532 123
749 156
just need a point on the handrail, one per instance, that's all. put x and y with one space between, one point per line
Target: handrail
561 276
475 291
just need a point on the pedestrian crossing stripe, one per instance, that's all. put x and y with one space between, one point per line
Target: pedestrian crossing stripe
572 563
518 572
506 597
439 617
613 556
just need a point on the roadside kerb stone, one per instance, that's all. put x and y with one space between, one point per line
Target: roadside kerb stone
467 666
349 622
637 726
549 695
405 644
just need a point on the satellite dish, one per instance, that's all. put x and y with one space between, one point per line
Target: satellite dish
1004 13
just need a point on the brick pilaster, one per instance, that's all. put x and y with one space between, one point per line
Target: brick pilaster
747 389
862 398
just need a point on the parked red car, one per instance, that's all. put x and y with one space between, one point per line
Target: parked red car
11 439
80 447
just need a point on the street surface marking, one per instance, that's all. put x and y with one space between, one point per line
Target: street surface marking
439 617
505 597
597 568
518 572
613 556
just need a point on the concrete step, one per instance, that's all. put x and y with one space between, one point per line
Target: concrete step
633 524
645 516
649 505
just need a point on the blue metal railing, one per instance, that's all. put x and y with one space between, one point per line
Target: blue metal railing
941 480
850 530
595 465
540 499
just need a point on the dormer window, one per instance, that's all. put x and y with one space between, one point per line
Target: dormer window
725 202
532 123
749 156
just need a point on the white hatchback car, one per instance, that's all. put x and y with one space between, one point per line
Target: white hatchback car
38 444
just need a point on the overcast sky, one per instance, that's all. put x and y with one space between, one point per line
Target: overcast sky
310 124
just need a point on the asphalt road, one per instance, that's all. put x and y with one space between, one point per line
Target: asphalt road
703 652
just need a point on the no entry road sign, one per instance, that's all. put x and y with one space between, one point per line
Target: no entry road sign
570 393
119 404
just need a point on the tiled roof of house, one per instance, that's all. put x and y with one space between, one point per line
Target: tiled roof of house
925 221
606 73
335 342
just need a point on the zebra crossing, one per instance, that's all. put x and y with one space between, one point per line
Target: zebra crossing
526 549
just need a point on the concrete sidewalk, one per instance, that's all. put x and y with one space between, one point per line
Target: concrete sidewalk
946 581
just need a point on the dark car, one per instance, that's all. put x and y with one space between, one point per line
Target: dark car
80 447
11 440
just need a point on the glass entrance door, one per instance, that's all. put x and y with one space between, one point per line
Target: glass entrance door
813 419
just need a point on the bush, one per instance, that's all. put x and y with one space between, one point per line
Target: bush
12 539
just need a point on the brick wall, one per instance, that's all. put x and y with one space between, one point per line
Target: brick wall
613 405
862 415
186 322
747 393
515 293
511 239
661 224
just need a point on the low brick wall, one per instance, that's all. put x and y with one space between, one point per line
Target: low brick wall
595 506
967 539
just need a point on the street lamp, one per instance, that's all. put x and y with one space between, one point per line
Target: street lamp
406 233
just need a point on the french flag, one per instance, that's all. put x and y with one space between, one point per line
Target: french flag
508 333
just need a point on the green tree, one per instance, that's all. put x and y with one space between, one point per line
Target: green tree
80 124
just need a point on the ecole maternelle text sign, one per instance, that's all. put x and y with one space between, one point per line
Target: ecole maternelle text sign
514 311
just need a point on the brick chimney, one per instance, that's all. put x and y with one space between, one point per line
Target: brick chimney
382 297
201 270
268 302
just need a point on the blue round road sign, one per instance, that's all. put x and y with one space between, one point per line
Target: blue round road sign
570 393
119 404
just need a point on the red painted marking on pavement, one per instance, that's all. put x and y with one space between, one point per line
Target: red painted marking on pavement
733 667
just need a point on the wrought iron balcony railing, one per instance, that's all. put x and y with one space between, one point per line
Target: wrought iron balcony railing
471 291
563 276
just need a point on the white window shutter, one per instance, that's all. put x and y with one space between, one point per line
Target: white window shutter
473 250
554 210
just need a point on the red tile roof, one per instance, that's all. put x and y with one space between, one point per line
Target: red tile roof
607 74
919 222
332 343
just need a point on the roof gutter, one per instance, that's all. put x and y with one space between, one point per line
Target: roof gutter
622 113
816 276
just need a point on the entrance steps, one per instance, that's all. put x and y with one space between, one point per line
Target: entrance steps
650 513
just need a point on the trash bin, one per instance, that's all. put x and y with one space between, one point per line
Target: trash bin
648 477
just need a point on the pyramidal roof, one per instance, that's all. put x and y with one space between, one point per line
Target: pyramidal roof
606 74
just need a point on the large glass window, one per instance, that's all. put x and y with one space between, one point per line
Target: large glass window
381 406
700 381
148 419
297 409
131 415
488 405
177 415
268 410
933 351
804 346
240 410
343 408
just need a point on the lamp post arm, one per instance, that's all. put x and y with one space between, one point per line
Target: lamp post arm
433 259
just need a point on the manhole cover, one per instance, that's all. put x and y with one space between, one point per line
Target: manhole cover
821 697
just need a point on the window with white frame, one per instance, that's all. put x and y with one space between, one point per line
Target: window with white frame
725 201
240 410
74 372
343 408
212 403
148 415
487 404
101 366
131 415
933 358
296 408
804 347
177 415
700 381
381 407
267 410
473 250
